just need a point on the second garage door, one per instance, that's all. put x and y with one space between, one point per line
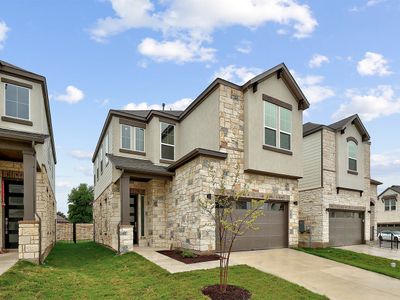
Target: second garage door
272 229
345 227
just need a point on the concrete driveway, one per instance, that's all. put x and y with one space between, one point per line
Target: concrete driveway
374 250
7 260
323 276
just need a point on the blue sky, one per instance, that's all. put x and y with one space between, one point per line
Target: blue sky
99 54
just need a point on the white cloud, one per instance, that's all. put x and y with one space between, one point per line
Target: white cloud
63 184
177 50
177 105
373 64
187 25
313 88
103 102
317 60
244 47
4 29
374 2
85 170
378 102
80 154
238 75
72 95
385 167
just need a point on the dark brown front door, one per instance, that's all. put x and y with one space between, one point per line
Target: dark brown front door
133 216
14 211
272 227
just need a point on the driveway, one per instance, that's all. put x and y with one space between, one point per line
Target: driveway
375 251
7 260
323 276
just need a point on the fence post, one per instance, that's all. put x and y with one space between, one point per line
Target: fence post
74 232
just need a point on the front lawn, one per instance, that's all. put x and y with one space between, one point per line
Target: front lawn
364 261
90 271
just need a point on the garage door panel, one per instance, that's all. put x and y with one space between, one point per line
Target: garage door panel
345 228
272 229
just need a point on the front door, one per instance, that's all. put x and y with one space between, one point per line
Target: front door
14 211
133 204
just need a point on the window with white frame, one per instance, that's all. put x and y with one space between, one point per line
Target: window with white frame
167 141
132 138
101 159
106 147
97 169
277 126
390 204
17 101
352 155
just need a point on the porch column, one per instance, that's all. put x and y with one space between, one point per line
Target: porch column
29 162
125 208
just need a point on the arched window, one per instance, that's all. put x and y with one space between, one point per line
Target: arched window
352 155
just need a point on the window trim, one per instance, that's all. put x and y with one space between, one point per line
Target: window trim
130 137
134 139
350 171
391 203
106 147
277 130
29 104
161 143
101 153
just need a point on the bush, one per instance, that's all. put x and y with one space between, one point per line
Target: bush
187 254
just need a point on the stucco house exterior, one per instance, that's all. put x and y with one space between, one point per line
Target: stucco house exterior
27 164
336 188
152 167
387 210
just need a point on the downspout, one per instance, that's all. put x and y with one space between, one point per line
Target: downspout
40 238
119 242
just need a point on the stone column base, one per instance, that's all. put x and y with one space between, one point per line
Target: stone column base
29 241
125 238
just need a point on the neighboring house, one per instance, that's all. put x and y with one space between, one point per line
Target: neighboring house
61 220
387 209
151 168
335 191
27 160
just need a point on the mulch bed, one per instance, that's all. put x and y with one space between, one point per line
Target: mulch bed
175 254
232 293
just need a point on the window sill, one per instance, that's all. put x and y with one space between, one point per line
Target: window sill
352 172
166 161
17 121
132 152
278 150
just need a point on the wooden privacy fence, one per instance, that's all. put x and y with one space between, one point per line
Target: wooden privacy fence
66 232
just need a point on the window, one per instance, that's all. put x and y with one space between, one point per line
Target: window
101 159
97 169
125 136
139 139
17 101
141 215
275 115
106 148
352 154
390 204
167 141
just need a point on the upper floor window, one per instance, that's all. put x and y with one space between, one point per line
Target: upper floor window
277 126
106 147
390 204
132 138
17 101
101 159
352 155
167 141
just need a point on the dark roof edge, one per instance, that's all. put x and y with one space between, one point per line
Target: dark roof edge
195 153
375 182
27 75
23 136
316 130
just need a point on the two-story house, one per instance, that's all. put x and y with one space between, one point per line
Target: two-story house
387 210
336 189
151 168
27 160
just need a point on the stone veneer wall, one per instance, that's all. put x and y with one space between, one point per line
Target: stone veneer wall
313 203
84 232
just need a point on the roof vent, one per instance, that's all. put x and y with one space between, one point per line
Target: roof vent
163 106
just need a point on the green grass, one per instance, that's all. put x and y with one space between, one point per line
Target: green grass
90 271
364 261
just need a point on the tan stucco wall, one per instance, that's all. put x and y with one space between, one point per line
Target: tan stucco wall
255 156
383 216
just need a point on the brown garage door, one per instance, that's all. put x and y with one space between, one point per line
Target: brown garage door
272 227
345 227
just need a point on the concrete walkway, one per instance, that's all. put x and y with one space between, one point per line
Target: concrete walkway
7 260
172 265
375 251
323 276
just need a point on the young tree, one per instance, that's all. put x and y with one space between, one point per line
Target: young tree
221 207
80 201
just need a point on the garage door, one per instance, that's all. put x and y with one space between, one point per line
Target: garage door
388 227
345 227
272 227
